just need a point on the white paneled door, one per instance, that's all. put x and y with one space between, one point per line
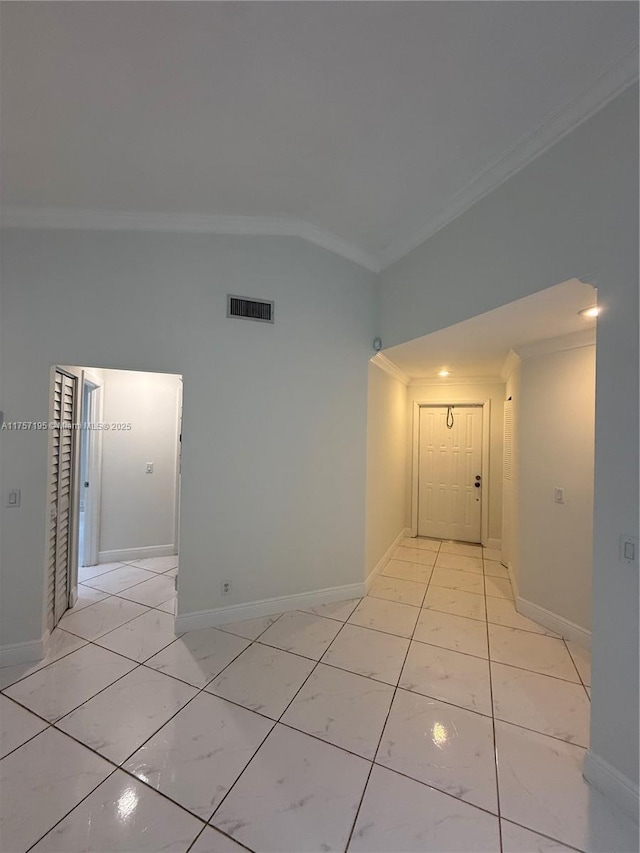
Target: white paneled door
65 393
450 472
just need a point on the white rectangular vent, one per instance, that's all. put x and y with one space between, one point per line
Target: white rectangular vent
250 309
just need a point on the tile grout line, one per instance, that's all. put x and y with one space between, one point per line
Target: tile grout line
544 835
395 693
46 665
66 815
575 665
99 637
493 726
151 574
184 808
198 692
251 642
155 732
145 663
87 581
29 739
365 628
215 829
276 722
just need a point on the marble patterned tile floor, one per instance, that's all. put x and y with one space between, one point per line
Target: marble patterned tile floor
429 716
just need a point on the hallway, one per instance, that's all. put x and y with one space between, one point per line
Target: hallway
429 715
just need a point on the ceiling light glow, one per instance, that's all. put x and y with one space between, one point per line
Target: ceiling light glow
444 372
590 312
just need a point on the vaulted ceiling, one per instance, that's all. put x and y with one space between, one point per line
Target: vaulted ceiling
362 126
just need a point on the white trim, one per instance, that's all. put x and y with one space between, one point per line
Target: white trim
526 149
131 554
94 469
514 584
575 340
567 629
178 485
382 562
615 786
184 223
380 360
485 405
17 653
494 544
564 627
266 607
510 363
429 382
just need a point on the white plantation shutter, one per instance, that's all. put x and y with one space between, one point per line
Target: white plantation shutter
61 495
507 458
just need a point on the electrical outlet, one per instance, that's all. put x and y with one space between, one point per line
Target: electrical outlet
225 587
149 467
558 494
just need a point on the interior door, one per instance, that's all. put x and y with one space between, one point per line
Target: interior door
65 393
450 472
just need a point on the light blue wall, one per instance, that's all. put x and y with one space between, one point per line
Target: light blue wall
572 212
274 429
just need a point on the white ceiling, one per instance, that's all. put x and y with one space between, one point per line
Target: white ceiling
362 126
478 347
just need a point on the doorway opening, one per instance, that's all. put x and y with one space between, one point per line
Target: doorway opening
531 366
115 480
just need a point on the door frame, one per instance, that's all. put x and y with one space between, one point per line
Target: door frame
94 469
485 405
178 487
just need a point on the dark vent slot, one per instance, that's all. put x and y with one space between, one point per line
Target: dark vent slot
250 309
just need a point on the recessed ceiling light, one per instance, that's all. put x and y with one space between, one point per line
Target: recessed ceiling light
444 373
591 311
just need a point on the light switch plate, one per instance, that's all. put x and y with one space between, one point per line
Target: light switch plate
13 498
629 549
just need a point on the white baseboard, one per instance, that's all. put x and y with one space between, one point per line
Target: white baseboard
514 583
17 653
130 554
266 607
494 544
567 629
616 787
382 562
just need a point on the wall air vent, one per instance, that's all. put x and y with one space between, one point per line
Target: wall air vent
250 309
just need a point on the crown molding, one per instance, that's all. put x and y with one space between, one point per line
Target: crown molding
575 340
433 381
184 223
526 149
390 367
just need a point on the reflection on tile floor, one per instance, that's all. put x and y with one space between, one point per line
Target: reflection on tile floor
430 716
